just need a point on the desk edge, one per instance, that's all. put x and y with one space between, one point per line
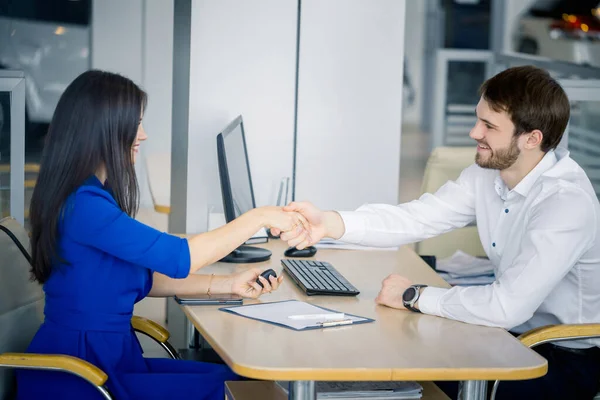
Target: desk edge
386 374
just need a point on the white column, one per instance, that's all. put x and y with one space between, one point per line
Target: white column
242 61
350 102
117 46
157 69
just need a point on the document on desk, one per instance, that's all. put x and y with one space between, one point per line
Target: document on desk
369 390
462 269
296 315
327 243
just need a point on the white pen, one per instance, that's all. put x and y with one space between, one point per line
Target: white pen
318 316
336 323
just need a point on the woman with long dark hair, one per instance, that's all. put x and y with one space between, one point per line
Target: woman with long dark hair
95 261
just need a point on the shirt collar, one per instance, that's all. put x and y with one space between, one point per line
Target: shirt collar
523 187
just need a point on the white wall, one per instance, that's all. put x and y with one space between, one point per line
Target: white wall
117 37
135 38
242 61
350 102
157 70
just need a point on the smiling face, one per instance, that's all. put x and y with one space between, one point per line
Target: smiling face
140 137
497 144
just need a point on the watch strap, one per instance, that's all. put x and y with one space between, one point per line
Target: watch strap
409 305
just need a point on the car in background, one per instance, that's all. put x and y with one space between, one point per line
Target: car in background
565 30
49 40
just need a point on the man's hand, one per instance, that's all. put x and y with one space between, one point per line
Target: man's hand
316 222
293 224
392 289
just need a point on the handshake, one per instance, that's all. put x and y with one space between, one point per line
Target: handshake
301 224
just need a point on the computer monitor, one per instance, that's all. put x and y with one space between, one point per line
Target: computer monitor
236 186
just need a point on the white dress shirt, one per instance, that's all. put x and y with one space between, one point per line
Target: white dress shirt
541 237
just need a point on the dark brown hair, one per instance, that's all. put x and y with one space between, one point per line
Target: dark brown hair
95 123
532 99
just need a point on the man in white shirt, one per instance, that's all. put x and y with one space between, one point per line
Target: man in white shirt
537 215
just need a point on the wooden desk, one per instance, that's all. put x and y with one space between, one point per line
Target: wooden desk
399 345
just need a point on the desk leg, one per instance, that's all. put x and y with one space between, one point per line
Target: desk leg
472 390
302 390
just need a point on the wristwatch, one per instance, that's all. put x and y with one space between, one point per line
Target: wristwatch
411 296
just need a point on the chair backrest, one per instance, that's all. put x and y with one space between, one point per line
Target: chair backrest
21 299
444 164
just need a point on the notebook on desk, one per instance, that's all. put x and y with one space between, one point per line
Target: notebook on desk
296 315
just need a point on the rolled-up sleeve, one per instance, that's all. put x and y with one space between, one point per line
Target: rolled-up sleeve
92 218
450 207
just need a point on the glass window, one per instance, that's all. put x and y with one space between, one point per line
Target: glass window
563 30
584 138
4 154
75 12
464 79
467 24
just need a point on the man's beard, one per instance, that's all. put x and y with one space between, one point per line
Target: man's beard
500 159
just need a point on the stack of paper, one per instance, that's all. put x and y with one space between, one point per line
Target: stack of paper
462 269
369 390
364 390
327 243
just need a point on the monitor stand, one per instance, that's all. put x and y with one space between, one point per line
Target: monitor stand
247 254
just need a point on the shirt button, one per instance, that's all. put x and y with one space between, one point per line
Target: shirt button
494 244
506 210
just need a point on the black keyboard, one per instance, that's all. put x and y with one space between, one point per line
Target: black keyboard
318 277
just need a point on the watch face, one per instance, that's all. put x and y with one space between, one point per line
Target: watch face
409 294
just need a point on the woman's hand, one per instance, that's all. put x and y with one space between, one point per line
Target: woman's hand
293 223
244 283
315 225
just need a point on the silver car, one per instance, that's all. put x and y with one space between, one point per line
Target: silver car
564 30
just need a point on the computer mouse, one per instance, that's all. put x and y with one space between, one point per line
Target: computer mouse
266 274
306 252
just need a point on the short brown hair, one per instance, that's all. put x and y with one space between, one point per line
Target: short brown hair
532 99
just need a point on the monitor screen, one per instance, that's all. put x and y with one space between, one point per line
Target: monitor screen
236 181
236 186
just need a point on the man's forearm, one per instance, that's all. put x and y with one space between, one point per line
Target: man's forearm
334 225
163 286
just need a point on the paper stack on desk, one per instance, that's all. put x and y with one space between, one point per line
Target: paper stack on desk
369 390
365 390
328 243
297 315
463 269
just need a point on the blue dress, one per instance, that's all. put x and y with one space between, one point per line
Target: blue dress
89 304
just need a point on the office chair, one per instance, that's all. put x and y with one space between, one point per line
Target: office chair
444 164
21 314
554 333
